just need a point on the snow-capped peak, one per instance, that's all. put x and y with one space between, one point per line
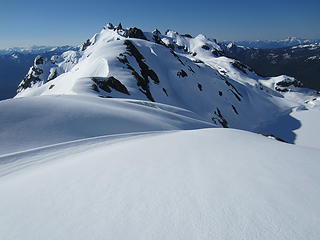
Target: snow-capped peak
175 69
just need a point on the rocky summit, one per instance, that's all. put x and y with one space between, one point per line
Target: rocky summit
179 70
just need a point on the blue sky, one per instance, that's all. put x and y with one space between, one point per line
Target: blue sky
34 22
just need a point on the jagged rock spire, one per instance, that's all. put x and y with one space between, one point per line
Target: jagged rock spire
119 27
135 33
85 45
110 26
156 32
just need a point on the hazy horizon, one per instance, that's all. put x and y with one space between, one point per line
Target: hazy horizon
78 43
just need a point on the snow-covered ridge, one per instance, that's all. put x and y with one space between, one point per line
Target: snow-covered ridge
35 49
123 139
174 69
312 46
273 44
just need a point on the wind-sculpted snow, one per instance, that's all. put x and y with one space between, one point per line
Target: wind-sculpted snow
126 138
184 185
28 123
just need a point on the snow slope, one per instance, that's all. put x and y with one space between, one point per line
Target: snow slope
32 122
199 184
123 139
174 69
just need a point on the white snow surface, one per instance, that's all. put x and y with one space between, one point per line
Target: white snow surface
32 122
189 72
199 184
88 150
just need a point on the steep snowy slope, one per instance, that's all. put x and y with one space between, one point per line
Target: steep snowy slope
123 139
200 184
173 69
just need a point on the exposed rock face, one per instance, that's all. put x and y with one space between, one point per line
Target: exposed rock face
173 69
45 70
186 35
243 68
301 62
85 45
157 36
288 84
217 53
39 60
110 82
182 73
110 26
165 91
33 76
145 71
235 110
205 47
53 74
135 33
119 27
220 118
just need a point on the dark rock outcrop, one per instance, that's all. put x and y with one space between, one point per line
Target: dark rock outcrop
119 27
106 84
165 91
205 47
220 118
135 33
240 66
235 110
294 83
85 45
186 35
110 26
182 73
145 71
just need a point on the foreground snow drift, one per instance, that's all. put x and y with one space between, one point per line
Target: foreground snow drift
200 184
76 163
27 123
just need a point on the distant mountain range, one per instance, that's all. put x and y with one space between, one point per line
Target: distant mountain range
34 49
292 56
180 70
299 61
267 44
150 135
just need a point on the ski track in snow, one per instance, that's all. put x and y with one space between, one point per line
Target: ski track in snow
197 184
13 162
86 154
